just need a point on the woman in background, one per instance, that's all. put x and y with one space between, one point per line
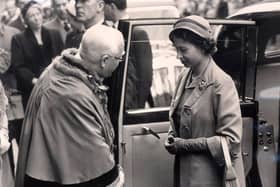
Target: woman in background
33 49
206 123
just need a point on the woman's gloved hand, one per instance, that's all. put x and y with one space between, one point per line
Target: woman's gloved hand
169 146
180 145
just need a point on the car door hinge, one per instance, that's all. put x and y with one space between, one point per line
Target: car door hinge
123 145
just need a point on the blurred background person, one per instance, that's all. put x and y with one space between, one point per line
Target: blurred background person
20 3
222 9
234 6
6 174
48 13
186 7
75 24
115 10
15 109
33 49
89 12
140 61
60 22
13 15
11 11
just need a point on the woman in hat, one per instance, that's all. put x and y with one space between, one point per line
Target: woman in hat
206 123
33 49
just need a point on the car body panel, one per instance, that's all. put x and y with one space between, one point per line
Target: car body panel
267 87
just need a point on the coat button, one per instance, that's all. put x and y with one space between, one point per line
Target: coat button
187 111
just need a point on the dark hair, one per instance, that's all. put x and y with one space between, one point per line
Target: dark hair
207 45
26 7
120 4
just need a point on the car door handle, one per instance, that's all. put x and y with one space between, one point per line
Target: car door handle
147 130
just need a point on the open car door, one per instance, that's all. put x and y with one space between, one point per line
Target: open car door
142 87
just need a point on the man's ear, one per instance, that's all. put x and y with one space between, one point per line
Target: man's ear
100 6
104 61
113 6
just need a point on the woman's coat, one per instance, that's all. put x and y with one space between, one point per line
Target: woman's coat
29 59
211 110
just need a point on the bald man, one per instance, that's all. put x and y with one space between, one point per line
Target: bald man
67 134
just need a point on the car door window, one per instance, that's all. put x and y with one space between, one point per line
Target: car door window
152 68
236 53
229 52
272 49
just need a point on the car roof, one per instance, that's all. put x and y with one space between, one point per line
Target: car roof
258 10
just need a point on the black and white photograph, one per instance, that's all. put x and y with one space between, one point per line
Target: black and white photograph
139 93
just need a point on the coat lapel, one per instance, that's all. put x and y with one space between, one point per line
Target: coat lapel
200 85
179 91
199 89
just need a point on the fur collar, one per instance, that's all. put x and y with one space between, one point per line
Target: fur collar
92 81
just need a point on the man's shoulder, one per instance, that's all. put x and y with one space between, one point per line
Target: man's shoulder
18 23
219 77
54 36
77 95
74 38
50 30
74 33
20 36
53 24
11 30
70 86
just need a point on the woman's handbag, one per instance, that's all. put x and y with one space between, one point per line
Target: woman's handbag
230 177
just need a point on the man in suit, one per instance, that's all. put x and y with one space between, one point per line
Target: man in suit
140 71
115 10
14 15
90 12
60 22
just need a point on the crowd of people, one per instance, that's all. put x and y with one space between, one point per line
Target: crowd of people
71 91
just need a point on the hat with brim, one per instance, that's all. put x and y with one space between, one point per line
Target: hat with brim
195 24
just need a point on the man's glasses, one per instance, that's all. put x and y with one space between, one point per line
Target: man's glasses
120 59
